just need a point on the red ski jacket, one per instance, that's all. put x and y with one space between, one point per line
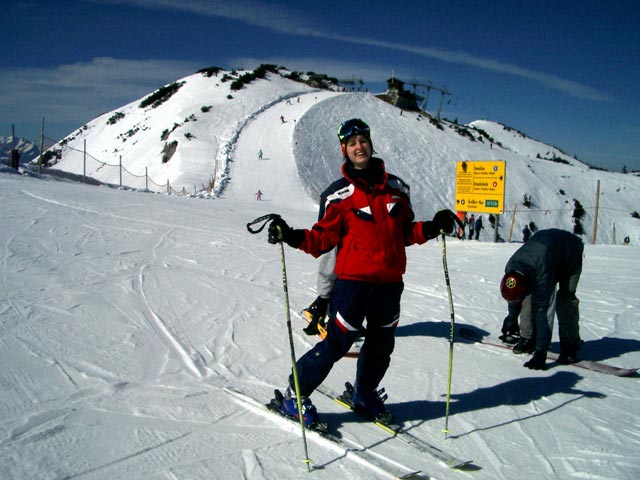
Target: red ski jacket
371 224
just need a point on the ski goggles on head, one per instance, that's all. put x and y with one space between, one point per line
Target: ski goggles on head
352 127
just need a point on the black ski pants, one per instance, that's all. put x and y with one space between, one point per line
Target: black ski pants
353 302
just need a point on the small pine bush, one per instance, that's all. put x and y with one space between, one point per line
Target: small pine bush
113 119
161 95
210 71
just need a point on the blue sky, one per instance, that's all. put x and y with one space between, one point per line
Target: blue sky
565 73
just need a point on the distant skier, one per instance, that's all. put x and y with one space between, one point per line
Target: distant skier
462 216
526 233
472 224
260 154
478 226
258 195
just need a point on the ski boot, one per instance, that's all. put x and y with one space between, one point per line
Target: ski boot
524 345
509 338
568 354
370 404
538 361
287 405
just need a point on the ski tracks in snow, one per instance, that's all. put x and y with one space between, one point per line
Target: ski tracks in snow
191 358
164 328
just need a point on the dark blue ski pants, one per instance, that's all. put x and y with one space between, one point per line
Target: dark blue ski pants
351 303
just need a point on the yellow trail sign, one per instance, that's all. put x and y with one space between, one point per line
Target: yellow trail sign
480 186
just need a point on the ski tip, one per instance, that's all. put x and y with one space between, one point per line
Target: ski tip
414 474
467 466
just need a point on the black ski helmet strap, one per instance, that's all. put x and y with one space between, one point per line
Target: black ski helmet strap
265 219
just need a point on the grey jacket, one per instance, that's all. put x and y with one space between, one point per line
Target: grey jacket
549 257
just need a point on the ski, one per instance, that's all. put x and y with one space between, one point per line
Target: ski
397 431
322 435
472 335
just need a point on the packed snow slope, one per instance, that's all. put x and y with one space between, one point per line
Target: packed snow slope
205 122
124 316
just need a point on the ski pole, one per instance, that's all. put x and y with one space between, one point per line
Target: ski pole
267 219
446 277
294 368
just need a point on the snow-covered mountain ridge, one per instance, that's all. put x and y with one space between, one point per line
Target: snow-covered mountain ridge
187 141
28 151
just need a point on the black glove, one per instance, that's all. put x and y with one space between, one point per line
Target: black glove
538 361
318 311
510 326
279 231
510 330
443 221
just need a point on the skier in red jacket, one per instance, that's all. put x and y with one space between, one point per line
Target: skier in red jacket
367 214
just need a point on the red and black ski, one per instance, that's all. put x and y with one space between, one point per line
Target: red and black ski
599 367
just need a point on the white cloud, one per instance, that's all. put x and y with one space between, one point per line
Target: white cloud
288 21
85 89
259 14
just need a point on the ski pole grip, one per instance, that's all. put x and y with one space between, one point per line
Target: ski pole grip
265 219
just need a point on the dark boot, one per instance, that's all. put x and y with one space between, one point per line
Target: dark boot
371 403
509 338
568 354
538 361
524 345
